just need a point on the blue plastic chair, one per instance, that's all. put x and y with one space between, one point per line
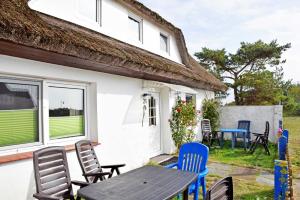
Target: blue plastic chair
244 124
193 158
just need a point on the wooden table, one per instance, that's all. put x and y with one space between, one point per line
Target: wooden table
145 183
233 132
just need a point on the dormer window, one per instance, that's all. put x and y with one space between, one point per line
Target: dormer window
90 9
135 28
164 43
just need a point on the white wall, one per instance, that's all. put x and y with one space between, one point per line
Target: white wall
117 110
114 24
115 116
258 115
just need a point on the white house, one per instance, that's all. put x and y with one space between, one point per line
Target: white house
105 70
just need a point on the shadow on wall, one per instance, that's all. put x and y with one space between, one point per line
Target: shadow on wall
31 187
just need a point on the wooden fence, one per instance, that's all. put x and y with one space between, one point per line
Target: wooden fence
283 177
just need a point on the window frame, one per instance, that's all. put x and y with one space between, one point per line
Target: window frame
154 110
167 51
98 19
59 84
43 114
38 83
140 21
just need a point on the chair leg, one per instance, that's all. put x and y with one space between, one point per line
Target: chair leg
253 143
266 147
196 193
203 185
78 198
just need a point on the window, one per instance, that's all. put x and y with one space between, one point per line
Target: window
66 112
190 98
21 120
19 112
152 111
91 9
164 43
135 29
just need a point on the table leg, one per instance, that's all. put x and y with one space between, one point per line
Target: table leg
222 139
186 194
232 140
244 137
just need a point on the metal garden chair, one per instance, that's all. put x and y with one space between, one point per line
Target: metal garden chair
52 175
90 166
193 157
261 138
207 133
244 124
221 190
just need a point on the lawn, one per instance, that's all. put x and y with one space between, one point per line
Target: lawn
293 125
245 189
18 127
240 157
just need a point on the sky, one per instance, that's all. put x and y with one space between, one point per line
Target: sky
220 24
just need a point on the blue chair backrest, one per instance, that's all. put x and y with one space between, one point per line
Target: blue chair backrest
244 124
193 157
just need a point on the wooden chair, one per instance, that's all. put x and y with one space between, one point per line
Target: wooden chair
52 175
90 166
193 158
207 133
261 138
221 190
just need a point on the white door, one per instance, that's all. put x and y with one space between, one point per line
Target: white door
154 124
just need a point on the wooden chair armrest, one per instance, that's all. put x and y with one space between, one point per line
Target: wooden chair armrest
113 166
80 183
44 197
257 133
97 174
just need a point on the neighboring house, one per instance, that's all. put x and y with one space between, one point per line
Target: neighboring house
117 63
12 100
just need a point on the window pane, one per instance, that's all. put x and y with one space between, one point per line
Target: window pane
163 43
88 8
66 112
152 111
19 111
190 98
134 29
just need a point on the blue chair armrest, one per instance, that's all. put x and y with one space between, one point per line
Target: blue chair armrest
203 173
172 165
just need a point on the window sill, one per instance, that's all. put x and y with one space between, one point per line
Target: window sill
28 155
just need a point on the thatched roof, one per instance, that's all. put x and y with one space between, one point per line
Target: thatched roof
29 34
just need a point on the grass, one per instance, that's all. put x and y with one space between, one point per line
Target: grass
244 189
18 127
66 126
293 125
239 157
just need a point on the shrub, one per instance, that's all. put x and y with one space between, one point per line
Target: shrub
210 109
183 122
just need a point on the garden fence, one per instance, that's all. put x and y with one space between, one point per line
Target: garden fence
283 180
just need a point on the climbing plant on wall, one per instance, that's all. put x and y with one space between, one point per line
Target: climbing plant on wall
183 121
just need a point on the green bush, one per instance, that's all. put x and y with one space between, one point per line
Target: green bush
210 109
183 122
